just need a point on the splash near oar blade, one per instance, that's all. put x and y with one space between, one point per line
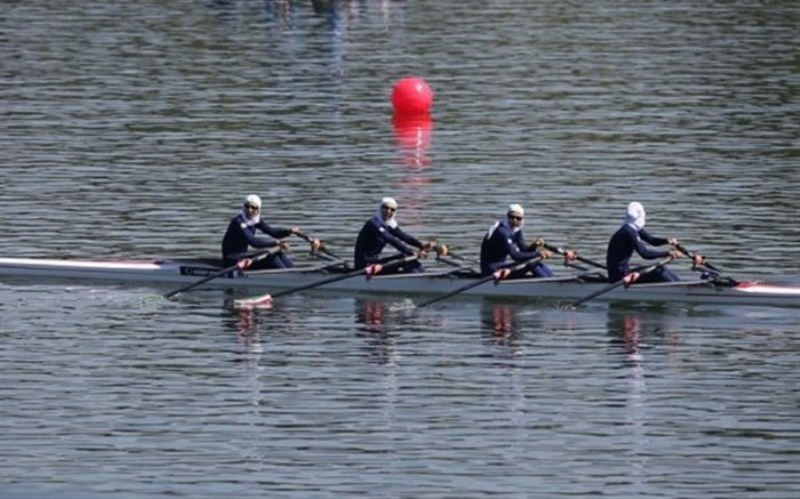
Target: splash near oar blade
263 301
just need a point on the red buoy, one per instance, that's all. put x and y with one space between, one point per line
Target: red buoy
412 97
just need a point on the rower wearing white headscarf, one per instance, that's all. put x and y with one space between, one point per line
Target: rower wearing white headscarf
382 229
504 239
631 237
241 235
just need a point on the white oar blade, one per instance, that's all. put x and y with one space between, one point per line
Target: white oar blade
263 301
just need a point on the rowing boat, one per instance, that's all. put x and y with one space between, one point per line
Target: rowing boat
181 271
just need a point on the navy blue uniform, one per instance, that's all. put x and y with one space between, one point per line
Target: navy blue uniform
241 235
621 247
375 235
501 242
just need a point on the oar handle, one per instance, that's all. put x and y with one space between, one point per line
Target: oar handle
691 255
322 247
449 257
437 247
562 251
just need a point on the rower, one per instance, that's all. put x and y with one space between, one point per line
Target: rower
382 229
241 235
504 239
631 237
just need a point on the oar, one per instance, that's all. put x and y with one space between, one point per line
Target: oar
480 281
451 258
561 251
691 255
627 279
437 246
457 264
253 258
450 261
340 277
577 266
323 249
325 256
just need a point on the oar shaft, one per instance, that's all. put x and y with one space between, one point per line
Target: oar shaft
201 281
691 255
456 291
438 246
590 262
315 284
450 261
327 256
452 255
577 267
255 257
341 277
599 292
323 250
619 283
480 281
304 237
562 251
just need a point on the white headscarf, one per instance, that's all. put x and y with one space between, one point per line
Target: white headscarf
516 210
390 202
634 215
254 200
249 222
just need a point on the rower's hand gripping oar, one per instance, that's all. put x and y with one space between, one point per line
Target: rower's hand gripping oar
627 280
442 251
444 255
562 251
497 276
697 259
321 248
239 265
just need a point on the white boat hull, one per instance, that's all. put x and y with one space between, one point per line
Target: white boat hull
184 272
